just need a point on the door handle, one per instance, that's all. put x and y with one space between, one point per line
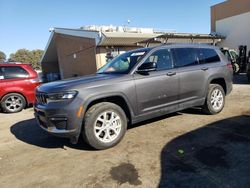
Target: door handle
204 68
171 73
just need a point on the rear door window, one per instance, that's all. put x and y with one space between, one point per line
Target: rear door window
185 57
207 55
13 72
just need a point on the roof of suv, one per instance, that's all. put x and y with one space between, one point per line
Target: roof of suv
14 64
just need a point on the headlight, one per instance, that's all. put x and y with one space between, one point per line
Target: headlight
53 97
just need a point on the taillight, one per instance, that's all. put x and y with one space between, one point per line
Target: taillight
229 66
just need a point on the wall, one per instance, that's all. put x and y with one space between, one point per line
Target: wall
236 29
228 9
50 67
101 53
76 56
100 56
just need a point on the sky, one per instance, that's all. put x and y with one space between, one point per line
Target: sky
26 23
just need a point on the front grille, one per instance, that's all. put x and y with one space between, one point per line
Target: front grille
41 98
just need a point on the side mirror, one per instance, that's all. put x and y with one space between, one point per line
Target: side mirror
147 67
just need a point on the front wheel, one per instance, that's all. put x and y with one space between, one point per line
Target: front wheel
105 125
215 99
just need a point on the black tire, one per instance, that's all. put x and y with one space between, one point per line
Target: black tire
91 116
236 68
248 76
208 107
18 106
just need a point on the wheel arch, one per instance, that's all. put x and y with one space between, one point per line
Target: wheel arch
115 98
26 101
220 81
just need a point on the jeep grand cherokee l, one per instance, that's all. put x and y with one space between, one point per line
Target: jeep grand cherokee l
17 86
133 87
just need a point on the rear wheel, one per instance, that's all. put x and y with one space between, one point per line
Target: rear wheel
105 125
215 99
248 76
13 102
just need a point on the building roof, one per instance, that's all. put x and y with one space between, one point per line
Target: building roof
124 39
101 39
104 38
50 52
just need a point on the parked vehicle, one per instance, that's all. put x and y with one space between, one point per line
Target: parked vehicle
238 60
242 60
17 86
135 86
233 57
248 67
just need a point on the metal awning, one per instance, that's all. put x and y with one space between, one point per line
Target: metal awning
124 39
184 38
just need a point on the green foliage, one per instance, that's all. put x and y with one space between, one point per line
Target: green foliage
2 56
26 56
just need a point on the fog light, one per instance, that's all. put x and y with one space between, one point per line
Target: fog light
59 122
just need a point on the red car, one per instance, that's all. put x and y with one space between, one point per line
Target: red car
17 86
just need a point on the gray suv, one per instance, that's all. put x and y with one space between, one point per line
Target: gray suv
135 86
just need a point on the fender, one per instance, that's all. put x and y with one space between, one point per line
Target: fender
90 99
16 90
107 95
213 78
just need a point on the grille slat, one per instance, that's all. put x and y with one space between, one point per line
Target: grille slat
41 98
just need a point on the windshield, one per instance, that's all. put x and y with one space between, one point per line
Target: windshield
123 63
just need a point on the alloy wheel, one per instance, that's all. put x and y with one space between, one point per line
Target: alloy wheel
217 99
13 103
107 126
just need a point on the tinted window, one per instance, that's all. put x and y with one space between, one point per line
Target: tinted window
185 56
208 55
13 72
1 74
162 58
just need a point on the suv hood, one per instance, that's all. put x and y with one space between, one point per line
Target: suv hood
74 83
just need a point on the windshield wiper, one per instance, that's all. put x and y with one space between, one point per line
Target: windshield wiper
104 73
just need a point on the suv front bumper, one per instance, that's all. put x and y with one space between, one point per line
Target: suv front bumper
59 121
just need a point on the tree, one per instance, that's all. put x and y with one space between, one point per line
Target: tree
21 55
36 56
2 57
26 56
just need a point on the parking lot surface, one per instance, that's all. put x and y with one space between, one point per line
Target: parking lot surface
184 149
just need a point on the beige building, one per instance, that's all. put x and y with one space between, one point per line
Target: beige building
78 52
232 20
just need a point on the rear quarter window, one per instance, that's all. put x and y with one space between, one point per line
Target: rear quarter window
1 74
207 55
13 72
